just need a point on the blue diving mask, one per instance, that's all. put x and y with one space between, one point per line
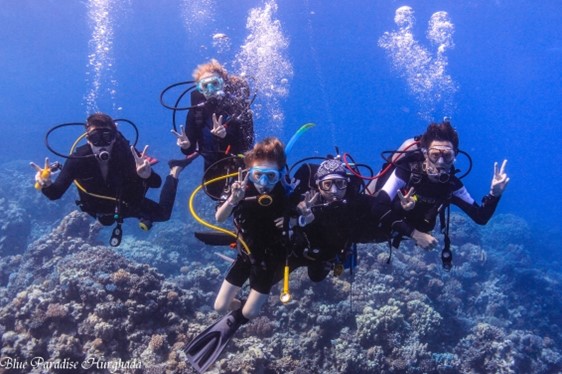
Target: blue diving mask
211 86
264 178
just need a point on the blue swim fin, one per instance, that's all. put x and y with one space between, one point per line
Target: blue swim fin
205 349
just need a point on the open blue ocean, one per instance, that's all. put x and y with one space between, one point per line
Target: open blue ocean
369 74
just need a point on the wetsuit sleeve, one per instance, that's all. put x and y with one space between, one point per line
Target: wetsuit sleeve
382 209
480 214
63 181
154 181
191 131
194 115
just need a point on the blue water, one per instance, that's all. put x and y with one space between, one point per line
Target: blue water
504 68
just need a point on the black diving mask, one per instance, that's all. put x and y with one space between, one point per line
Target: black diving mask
101 137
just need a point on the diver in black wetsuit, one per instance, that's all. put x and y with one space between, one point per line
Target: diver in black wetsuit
112 178
255 202
333 217
219 123
424 184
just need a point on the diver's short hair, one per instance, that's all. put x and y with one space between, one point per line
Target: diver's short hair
270 149
212 66
100 120
440 131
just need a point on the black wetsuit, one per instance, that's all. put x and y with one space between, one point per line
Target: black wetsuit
237 118
431 197
336 226
124 189
267 243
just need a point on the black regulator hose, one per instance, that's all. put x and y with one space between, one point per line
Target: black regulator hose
48 145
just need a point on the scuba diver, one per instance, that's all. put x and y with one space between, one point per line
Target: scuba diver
255 201
424 184
332 217
112 179
219 122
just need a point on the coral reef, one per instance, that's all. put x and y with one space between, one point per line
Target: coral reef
67 298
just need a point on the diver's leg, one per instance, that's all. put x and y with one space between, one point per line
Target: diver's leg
236 276
167 198
253 305
225 300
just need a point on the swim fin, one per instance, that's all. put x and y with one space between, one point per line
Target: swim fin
205 349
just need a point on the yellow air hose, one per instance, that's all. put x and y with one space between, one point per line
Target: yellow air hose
285 296
209 225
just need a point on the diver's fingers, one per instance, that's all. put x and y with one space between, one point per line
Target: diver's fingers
410 192
245 181
496 170
47 166
144 151
178 134
400 195
240 179
314 198
502 169
134 152
215 123
35 166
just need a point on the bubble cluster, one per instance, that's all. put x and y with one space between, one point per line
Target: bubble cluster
262 59
100 70
197 14
221 42
424 70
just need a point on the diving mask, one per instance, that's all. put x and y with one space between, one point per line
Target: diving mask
211 86
439 160
264 179
441 155
264 176
326 184
101 137
333 187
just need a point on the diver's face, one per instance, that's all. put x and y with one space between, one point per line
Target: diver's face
211 85
101 140
332 189
264 175
439 158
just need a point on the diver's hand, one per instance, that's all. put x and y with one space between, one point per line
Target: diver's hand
423 239
43 175
218 128
500 180
143 165
407 201
182 140
238 189
305 208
